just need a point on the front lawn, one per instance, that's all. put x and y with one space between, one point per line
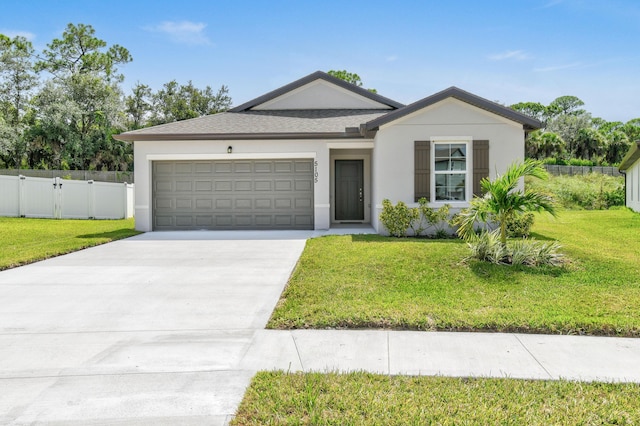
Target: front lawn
275 398
29 240
379 282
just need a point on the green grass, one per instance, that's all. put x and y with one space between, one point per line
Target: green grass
25 241
277 398
380 282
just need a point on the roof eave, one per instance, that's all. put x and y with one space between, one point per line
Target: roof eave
236 136
632 156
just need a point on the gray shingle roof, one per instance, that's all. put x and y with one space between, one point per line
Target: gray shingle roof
261 124
243 122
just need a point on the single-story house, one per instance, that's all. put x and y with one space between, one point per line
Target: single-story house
317 152
630 166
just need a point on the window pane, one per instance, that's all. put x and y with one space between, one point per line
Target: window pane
458 150
442 164
458 164
442 150
450 187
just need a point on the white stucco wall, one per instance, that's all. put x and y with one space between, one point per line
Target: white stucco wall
633 186
147 151
393 158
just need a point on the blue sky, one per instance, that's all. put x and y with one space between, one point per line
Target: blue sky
507 51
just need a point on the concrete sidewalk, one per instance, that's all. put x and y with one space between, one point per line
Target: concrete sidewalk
526 356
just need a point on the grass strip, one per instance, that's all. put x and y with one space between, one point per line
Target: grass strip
25 240
279 398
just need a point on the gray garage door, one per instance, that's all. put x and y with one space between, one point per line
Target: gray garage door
233 194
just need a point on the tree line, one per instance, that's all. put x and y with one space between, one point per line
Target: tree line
571 135
59 108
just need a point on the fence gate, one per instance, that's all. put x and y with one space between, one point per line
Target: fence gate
64 199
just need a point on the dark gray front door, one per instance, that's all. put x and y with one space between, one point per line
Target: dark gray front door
349 190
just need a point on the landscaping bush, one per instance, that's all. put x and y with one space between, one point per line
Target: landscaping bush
488 248
397 219
429 218
593 191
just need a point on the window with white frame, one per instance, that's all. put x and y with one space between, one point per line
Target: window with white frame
451 170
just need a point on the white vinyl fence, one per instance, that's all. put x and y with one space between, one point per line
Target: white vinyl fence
64 199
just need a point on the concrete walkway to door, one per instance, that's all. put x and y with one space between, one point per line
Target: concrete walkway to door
168 328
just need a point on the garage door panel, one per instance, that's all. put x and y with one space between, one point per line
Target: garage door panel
223 185
283 166
303 167
262 167
244 203
303 185
182 203
224 220
283 185
243 185
184 186
205 221
204 204
204 185
184 168
233 194
262 185
222 167
204 168
224 203
242 167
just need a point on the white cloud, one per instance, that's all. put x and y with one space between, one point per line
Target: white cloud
558 67
182 32
518 55
391 58
13 33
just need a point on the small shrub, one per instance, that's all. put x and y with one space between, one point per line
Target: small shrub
397 219
488 248
534 253
519 226
435 219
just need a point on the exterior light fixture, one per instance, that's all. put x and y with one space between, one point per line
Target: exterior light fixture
229 149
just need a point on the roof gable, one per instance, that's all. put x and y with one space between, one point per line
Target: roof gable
319 91
461 95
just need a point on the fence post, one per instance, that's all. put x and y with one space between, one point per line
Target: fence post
21 195
126 199
92 207
57 198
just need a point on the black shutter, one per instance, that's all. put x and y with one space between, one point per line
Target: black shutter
422 169
480 165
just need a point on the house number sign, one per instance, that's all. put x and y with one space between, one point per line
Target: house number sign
315 172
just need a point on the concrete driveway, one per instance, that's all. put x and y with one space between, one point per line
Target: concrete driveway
145 330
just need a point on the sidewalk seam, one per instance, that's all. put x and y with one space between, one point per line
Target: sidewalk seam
533 356
297 351
388 353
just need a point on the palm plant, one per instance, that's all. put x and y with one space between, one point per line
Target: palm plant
502 200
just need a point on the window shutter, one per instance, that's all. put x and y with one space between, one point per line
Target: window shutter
480 165
422 169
